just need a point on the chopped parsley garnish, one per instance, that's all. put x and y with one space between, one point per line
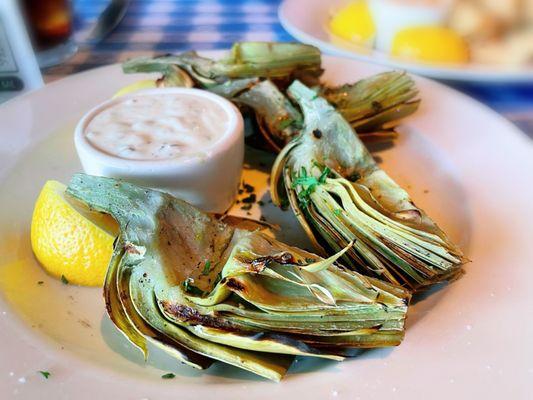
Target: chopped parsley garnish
308 184
170 375
45 374
207 268
40 282
337 211
64 280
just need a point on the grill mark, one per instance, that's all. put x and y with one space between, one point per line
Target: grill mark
234 284
261 263
192 317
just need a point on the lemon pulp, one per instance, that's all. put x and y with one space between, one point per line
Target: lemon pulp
134 87
69 240
431 44
354 22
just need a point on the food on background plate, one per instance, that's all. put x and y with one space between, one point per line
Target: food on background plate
340 196
354 23
406 29
69 241
202 290
498 31
430 44
254 76
174 139
438 31
393 16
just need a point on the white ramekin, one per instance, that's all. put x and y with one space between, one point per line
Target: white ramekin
208 180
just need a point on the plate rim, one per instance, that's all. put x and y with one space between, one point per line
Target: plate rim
523 75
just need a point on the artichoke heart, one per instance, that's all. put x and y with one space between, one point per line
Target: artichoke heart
340 195
203 290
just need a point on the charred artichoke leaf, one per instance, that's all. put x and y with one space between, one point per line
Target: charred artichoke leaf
245 60
116 293
342 195
203 290
279 121
270 60
372 102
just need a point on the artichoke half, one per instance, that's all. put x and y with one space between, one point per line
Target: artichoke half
203 290
340 195
256 74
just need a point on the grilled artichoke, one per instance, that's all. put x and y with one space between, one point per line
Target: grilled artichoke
203 290
255 74
340 195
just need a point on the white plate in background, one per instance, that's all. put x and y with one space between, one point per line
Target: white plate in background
307 21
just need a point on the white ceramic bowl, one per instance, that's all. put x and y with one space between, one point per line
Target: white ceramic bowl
208 180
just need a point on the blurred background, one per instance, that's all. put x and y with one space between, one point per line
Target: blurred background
73 36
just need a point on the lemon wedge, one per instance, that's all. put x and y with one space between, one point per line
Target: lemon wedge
134 87
354 23
70 242
432 44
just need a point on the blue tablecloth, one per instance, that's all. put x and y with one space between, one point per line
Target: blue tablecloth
166 26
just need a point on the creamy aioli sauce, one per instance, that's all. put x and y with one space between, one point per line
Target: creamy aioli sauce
157 127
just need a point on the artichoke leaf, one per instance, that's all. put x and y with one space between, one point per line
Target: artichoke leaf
203 290
342 195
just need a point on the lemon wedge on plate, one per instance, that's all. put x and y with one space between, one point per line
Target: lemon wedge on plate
354 23
71 242
432 44
134 87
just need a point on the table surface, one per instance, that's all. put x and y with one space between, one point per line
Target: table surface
170 26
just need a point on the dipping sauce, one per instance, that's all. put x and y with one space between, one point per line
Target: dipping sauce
158 127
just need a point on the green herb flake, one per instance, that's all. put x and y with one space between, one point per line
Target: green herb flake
285 123
170 375
64 280
45 374
324 175
40 282
337 212
207 268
